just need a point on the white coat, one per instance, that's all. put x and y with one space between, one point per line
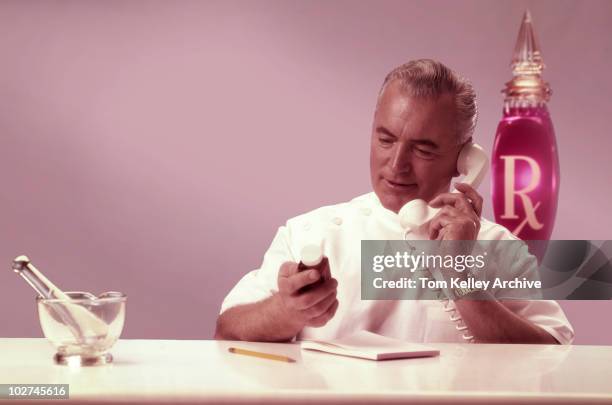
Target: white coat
342 227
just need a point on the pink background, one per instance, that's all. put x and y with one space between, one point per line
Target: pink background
155 147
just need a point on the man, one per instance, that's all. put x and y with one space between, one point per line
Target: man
424 115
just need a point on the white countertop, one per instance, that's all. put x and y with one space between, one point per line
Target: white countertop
187 371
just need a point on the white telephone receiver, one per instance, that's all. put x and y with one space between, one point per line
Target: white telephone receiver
472 162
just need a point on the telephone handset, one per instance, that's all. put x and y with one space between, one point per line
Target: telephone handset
472 162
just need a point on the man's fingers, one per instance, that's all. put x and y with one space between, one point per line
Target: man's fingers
316 295
317 301
325 317
473 195
455 200
321 307
288 269
467 199
447 216
302 279
290 285
438 223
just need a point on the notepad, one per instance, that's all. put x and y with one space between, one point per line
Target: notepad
368 345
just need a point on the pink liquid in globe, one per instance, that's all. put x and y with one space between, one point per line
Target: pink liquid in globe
525 173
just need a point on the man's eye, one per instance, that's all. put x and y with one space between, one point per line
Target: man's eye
385 141
425 154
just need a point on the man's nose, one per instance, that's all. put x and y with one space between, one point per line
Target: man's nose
400 161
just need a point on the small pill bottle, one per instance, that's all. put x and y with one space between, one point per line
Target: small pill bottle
312 258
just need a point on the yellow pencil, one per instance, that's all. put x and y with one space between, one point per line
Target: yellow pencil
261 355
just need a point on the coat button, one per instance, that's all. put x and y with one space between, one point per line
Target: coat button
307 226
337 221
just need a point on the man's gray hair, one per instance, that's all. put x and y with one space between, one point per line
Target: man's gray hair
429 78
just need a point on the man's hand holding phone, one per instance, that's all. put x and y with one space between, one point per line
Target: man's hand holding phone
459 215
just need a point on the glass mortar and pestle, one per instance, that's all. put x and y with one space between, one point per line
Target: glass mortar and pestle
81 326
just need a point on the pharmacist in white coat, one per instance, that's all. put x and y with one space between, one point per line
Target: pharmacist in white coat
424 116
